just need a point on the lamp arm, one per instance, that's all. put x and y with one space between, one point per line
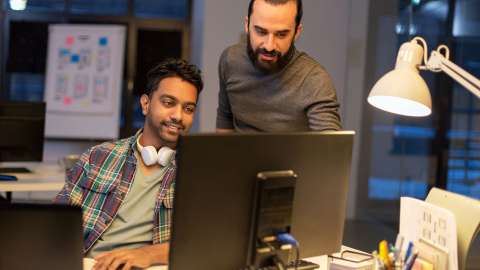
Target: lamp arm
438 62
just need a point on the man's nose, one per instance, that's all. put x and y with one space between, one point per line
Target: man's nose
177 114
270 43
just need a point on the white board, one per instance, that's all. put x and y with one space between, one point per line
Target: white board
84 81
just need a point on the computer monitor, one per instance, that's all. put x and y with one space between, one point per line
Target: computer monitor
214 194
36 236
22 132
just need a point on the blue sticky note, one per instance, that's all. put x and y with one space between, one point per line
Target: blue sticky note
75 58
64 52
103 41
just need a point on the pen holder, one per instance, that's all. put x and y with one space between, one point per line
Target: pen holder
351 260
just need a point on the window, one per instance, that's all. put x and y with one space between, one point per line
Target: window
161 29
161 9
99 7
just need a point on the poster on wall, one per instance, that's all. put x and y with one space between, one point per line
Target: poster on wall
84 81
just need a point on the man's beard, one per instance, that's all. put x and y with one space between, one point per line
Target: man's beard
162 132
269 67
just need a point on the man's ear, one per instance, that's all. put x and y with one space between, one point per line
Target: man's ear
246 24
145 103
299 31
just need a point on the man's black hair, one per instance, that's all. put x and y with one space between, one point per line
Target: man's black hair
174 68
298 17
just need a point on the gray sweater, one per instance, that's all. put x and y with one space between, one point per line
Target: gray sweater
300 97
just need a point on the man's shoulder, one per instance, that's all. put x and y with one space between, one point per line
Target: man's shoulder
310 64
119 146
234 52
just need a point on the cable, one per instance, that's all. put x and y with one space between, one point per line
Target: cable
289 239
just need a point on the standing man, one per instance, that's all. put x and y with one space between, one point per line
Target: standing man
126 188
266 84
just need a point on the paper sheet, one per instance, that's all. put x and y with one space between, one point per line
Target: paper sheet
432 224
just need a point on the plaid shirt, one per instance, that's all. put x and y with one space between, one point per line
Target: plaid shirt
99 183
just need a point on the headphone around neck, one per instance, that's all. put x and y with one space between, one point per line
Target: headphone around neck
150 155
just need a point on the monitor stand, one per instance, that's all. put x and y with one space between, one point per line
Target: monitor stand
272 214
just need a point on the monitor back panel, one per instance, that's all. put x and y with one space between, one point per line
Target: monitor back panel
36 236
215 188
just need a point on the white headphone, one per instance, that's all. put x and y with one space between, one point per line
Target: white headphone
150 155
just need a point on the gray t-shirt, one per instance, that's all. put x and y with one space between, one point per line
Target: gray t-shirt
133 224
300 97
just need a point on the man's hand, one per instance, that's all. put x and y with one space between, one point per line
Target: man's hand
224 130
125 259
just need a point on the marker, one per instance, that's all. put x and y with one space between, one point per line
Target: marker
383 251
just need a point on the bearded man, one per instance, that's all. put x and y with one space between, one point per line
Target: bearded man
266 84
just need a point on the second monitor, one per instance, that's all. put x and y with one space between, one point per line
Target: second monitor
215 185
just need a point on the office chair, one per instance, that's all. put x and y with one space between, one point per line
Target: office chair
467 216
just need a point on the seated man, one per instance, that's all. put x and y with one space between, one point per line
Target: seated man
125 188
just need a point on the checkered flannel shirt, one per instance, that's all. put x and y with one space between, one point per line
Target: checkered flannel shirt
99 182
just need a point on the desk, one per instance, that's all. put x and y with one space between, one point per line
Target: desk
320 260
44 177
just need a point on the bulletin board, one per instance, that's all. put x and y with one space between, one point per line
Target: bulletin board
83 83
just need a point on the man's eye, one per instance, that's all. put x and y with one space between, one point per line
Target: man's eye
281 35
261 32
189 109
168 103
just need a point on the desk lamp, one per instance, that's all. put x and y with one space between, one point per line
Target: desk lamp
403 91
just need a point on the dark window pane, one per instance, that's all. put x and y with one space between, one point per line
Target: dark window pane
25 62
36 5
153 47
27 47
138 118
100 7
26 86
466 21
427 18
464 133
161 9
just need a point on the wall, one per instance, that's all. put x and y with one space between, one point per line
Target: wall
335 34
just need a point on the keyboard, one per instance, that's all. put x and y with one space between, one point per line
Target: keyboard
302 265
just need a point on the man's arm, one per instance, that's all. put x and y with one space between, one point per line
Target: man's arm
224 120
140 257
71 193
224 130
322 108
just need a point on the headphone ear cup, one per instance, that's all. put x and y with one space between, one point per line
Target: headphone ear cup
165 156
149 155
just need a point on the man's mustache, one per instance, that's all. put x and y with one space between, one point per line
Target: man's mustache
176 124
269 53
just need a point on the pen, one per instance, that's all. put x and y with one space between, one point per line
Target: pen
409 263
409 250
378 261
398 246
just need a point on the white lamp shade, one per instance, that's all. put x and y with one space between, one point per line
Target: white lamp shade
402 91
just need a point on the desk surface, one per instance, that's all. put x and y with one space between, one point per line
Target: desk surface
320 260
44 177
